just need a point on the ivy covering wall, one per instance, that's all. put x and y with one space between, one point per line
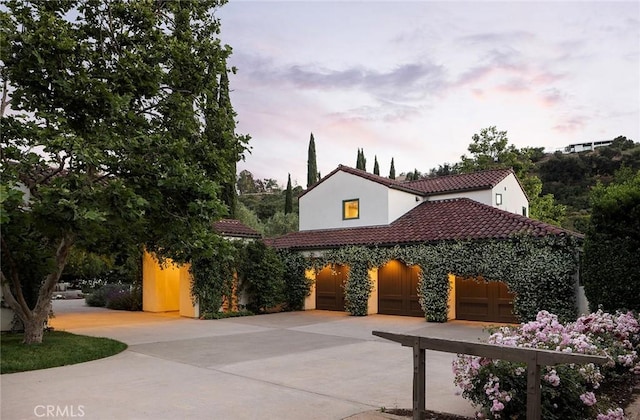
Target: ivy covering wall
540 271
270 278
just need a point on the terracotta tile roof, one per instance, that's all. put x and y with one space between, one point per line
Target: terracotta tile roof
461 182
387 182
431 221
235 228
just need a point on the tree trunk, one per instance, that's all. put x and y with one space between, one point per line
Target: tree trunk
34 319
34 329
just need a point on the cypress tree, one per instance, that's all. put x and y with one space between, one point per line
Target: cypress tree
312 166
227 141
361 163
288 198
392 171
376 167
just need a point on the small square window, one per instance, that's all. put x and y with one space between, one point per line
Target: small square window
524 211
351 209
498 199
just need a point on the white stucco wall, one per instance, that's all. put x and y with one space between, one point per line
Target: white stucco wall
513 198
481 196
321 208
400 203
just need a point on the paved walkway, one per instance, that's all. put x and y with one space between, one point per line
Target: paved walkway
297 365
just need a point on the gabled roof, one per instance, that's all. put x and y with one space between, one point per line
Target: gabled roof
461 182
387 182
431 221
438 185
235 228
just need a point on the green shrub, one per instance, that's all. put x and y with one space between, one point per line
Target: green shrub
612 246
297 285
129 299
222 315
261 272
116 296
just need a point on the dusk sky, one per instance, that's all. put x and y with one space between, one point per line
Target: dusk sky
415 80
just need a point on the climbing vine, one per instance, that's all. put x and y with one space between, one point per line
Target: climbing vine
212 275
540 271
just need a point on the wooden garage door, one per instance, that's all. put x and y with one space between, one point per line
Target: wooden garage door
484 301
329 288
398 290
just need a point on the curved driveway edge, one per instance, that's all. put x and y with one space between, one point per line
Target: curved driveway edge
295 365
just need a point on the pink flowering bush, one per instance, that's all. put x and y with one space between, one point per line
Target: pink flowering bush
499 387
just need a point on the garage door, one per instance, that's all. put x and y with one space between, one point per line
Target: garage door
329 289
398 290
484 301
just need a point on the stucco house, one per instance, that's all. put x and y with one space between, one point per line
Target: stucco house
167 287
350 207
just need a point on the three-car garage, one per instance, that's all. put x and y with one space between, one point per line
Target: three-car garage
397 294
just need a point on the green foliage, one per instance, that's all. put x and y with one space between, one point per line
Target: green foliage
288 200
223 315
280 224
361 161
541 272
212 275
59 349
392 170
312 166
612 246
376 167
129 299
491 150
297 285
127 105
116 296
570 177
261 272
249 218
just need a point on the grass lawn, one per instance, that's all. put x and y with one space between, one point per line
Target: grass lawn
58 348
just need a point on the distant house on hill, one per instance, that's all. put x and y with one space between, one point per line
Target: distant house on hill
586 147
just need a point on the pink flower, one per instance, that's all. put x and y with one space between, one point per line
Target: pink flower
588 398
497 406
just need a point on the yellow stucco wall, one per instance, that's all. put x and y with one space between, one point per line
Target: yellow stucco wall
452 297
166 288
310 301
372 303
187 308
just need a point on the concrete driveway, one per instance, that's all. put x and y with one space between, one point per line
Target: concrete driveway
296 365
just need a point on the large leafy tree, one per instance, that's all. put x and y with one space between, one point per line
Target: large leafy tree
118 132
612 245
490 149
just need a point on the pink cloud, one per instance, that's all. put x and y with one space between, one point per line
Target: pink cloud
571 124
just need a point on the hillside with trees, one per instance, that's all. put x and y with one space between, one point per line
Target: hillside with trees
570 177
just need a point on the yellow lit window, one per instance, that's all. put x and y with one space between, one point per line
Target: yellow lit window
350 209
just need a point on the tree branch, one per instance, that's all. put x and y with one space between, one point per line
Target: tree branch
5 102
7 295
20 304
46 290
